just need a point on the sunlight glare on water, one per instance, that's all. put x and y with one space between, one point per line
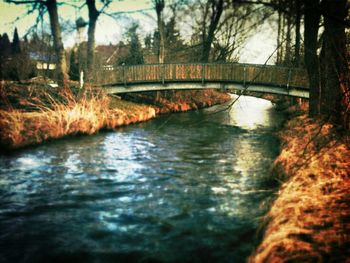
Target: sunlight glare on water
251 113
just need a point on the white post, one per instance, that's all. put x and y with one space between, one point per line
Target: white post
81 80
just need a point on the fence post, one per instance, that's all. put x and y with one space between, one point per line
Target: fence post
163 82
174 72
203 73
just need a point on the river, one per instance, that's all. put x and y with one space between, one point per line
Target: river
187 187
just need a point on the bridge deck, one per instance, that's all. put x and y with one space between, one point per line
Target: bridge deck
234 75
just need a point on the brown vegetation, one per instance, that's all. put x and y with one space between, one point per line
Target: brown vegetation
191 100
309 221
31 113
180 101
37 115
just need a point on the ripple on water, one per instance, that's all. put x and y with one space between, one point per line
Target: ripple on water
190 189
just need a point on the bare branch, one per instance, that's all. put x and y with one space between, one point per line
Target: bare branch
20 2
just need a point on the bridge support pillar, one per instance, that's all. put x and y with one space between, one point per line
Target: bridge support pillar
222 87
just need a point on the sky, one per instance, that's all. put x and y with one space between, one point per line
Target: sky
108 29
111 30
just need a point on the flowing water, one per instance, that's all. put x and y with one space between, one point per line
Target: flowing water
187 187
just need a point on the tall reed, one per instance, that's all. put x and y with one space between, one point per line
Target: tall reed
85 113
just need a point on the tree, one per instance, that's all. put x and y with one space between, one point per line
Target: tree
336 86
148 41
93 16
134 54
216 7
237 24
298 6
51 7
159 6
174 44
16 46
5 53
279 36
73 66
63 78
312 19
329 91
156 43
287 18
15 63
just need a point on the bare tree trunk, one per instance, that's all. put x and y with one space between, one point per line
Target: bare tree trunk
93 16
311 24
283 35
159 4
58 44
336 68
204 25
297 32
323 75
217 9
161 38
279 26
288 39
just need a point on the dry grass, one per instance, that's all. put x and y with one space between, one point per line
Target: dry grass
310 219
63 114
31 113
184 100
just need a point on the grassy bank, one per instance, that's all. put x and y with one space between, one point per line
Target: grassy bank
42 115
31 114
310 219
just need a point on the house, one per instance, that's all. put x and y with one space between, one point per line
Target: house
43 61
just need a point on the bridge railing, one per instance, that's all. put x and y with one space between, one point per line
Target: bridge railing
199 72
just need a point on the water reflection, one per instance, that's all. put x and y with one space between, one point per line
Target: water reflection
252 113
185 191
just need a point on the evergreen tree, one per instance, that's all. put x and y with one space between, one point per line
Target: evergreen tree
173 42
16 46
156 42
5 53
135 55
148 41
5 46
19 67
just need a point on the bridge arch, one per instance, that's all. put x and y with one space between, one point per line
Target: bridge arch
182 76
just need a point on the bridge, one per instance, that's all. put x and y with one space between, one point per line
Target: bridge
225 76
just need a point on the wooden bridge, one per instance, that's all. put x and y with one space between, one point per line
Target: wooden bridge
231 76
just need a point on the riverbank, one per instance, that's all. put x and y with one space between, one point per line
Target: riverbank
31 114
309 220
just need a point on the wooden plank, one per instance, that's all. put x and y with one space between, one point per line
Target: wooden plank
271 75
